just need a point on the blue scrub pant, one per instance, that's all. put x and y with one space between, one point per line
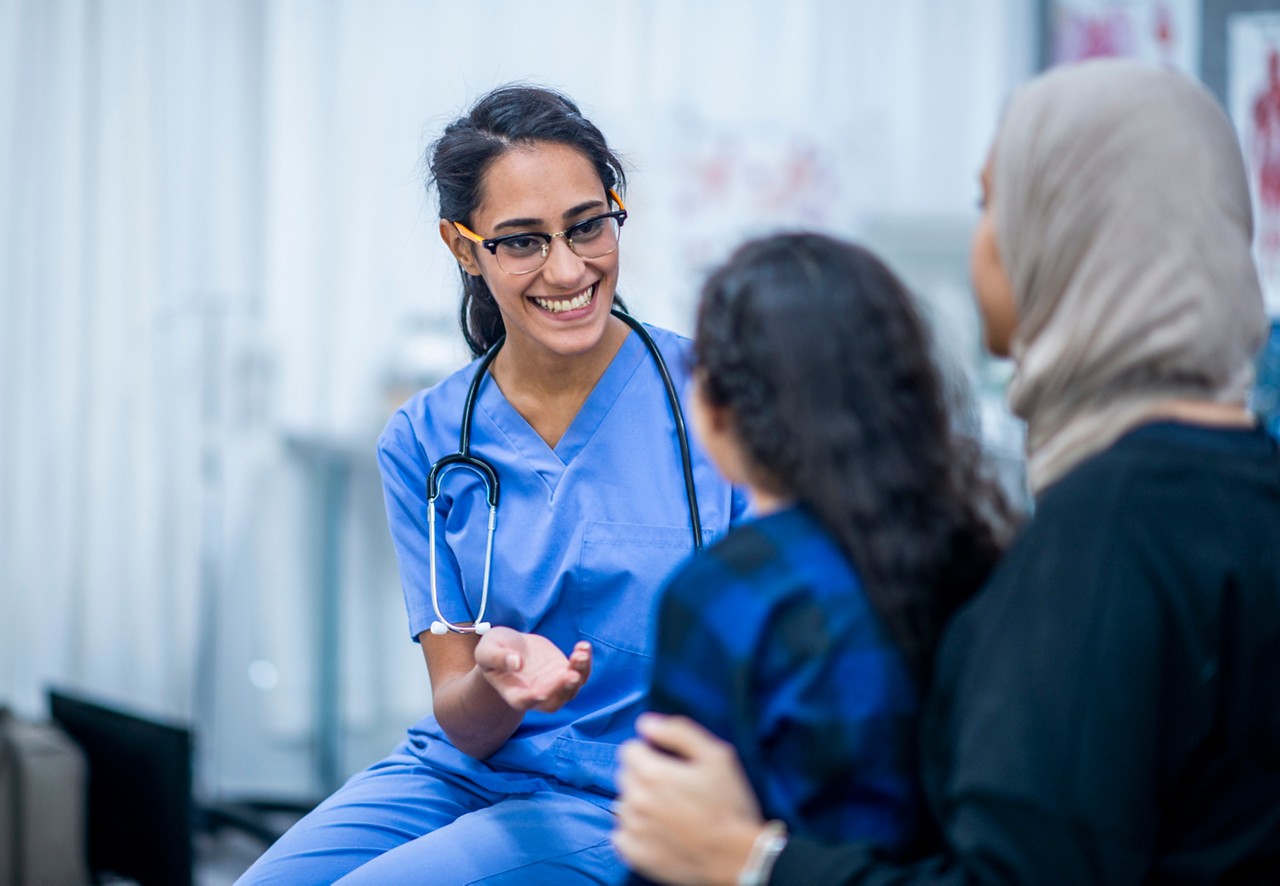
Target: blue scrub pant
401 821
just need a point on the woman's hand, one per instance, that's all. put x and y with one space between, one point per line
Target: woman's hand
529 672
686 813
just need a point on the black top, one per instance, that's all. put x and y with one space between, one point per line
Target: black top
1107 710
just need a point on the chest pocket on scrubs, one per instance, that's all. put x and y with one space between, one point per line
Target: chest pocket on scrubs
624 566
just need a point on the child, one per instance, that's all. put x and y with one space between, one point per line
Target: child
804 636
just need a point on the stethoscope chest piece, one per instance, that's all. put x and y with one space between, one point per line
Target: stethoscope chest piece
490 479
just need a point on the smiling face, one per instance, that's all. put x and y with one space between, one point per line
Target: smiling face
991 285
561 309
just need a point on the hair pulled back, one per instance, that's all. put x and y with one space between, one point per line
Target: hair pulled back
515 115
827 367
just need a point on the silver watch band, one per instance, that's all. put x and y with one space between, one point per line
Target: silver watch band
764 855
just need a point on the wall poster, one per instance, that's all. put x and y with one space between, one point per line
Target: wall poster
1165 31
1253 99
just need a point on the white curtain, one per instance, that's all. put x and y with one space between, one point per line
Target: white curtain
219 273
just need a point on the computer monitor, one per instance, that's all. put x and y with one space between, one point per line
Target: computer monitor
140 796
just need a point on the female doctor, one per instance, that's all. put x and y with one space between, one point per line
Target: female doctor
511 778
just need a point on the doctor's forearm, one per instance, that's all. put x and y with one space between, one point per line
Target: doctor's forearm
474 715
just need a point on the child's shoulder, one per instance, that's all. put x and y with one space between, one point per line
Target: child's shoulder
772 536
763 552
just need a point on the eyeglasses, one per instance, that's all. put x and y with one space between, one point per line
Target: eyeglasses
525 252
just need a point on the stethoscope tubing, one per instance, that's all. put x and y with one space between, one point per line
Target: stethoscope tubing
463 459
442 625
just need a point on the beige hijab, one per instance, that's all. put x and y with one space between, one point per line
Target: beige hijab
1122 217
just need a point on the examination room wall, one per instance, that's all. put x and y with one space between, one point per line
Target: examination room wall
219 274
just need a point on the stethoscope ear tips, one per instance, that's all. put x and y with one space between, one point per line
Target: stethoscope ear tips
483 627
438 628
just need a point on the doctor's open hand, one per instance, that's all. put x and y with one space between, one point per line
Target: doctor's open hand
529 671
686 813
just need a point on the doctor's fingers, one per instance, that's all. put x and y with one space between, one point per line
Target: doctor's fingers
580 659
496 659
556 696
501 649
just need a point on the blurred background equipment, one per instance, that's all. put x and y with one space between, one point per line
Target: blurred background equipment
43 781
140 811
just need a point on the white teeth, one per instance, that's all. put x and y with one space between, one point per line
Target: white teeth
581 300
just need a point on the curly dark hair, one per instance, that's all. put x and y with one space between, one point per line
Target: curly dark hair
828 371
509 116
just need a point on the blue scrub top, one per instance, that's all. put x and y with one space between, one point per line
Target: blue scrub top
587 534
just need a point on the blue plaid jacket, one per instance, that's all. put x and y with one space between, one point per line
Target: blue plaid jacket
768 640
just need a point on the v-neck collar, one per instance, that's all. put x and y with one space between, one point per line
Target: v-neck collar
551 463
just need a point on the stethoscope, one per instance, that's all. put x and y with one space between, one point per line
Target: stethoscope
464 459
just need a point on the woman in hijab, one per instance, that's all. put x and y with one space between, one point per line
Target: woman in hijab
1107 710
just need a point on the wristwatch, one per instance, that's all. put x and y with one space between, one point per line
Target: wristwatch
764 855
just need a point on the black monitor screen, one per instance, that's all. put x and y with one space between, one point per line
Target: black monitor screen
140 805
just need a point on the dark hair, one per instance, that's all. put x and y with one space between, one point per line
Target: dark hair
827 367
509 116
